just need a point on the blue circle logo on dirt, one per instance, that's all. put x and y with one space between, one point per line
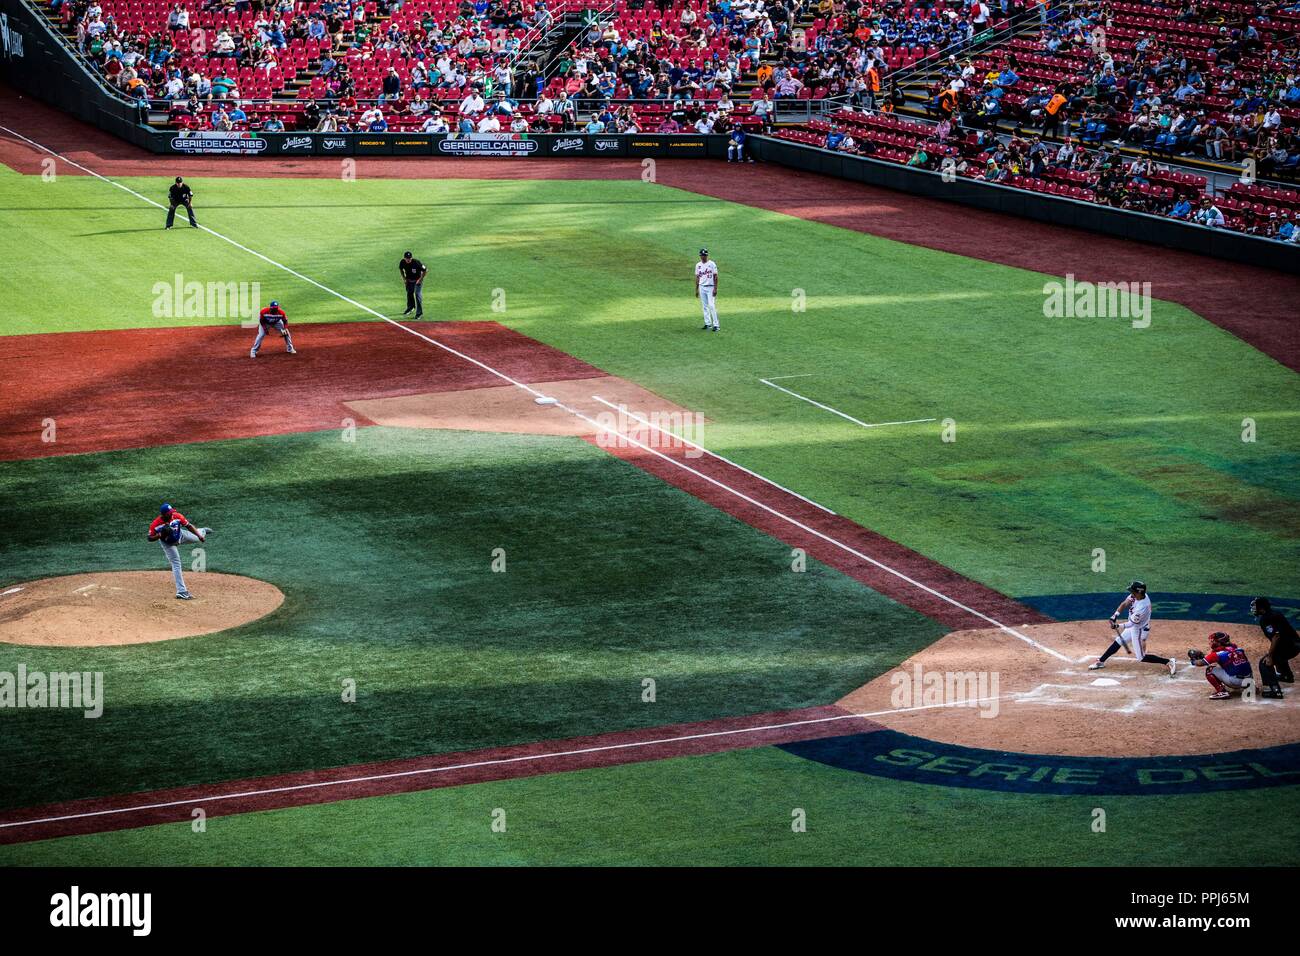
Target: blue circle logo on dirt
899 756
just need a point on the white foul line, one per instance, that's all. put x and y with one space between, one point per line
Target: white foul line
496 762
502 375
836 411
687 441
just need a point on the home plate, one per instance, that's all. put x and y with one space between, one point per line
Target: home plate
546 400
1105 682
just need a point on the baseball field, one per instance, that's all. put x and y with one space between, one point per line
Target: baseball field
553 576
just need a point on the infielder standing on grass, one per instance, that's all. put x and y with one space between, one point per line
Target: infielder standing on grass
171 529
273 318
180 195
706 289
1133 638
413 273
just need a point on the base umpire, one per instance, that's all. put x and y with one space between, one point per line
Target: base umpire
180 195
413 272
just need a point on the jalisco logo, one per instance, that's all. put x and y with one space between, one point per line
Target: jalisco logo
297 142
564 145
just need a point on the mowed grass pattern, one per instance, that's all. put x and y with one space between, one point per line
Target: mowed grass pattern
384 549
1072 435
722 810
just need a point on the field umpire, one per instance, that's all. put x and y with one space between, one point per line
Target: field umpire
180 195
1283 645
413 272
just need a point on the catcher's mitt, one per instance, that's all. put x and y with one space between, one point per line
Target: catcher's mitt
1194 655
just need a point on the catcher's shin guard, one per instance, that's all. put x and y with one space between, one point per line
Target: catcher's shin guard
1217 684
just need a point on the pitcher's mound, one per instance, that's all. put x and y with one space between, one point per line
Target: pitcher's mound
128 607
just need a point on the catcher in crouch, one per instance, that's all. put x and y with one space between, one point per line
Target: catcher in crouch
1133 637
1227 667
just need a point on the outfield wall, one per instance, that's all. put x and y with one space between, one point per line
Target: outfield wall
1126 224
507 145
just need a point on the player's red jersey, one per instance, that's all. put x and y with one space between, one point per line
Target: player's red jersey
1232 659
271 315
159 521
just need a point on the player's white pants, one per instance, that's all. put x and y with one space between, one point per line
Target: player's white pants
1227 678
709 307
279 327
174 556
1134 639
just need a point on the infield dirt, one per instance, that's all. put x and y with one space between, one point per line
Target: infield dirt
110 608
1045 705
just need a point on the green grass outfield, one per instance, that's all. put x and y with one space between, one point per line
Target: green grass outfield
1072 434
726 809
384 549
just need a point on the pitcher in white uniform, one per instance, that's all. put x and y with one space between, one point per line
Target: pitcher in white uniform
1133 636
706 288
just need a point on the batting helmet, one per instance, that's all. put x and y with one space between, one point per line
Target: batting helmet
1260 606
166 509
1218 639
1137 587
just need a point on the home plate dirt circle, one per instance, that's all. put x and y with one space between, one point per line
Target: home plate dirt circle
110 608
1036 703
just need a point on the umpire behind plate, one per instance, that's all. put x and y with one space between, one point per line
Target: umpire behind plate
1283 645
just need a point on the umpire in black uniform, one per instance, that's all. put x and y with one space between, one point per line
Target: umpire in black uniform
180 195
1283 646
413 273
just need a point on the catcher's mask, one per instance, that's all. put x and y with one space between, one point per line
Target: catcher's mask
1260 606
1219 640
1137 587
